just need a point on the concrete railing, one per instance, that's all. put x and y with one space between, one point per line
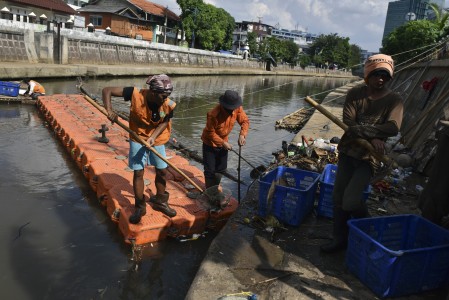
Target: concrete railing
36 43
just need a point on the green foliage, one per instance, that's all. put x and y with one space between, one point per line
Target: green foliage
211 26
404 42
355 57
331 48
441 20
304 60
281 50
252 43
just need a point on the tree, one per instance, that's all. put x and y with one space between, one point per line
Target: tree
440 20
331 48
405 41
252 43
207 26
290 52
355 57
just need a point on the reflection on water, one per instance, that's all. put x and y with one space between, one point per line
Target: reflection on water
58 242
266 99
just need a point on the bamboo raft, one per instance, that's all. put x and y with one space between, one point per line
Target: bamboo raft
80 128
295 121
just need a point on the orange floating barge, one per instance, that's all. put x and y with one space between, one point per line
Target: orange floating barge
104 163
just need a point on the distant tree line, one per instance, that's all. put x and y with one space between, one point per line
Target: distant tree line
210 28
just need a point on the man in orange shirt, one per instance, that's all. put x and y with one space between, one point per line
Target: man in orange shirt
220 121
150 117
35 89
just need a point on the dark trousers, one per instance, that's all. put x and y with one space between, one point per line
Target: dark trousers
434 200
353 175
215 160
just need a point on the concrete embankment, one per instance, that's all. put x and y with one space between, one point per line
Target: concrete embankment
17 70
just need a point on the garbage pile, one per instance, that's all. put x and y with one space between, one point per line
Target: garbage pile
388 192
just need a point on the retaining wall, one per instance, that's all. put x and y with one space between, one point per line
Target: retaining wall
36 43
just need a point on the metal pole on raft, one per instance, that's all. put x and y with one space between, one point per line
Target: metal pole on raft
238 169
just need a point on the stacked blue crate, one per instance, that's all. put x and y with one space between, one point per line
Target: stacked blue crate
292 201
398 255
9 88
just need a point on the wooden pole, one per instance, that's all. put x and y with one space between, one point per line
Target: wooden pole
383 158
327 113
142 141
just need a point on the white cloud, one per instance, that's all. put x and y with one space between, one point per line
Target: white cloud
362 21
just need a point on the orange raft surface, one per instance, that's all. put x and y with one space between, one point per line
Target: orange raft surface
77 125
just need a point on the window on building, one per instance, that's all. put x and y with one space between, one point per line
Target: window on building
17 17
96 20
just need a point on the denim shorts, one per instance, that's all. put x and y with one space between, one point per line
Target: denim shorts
140 156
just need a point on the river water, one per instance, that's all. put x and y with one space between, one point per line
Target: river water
58 242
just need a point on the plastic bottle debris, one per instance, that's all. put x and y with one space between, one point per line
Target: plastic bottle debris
325 145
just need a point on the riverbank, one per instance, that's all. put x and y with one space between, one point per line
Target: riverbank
246 258
18 70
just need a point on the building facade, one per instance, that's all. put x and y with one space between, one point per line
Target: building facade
36 12
137 19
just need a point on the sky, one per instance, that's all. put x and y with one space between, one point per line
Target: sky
362 21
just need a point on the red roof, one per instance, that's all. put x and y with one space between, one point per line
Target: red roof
55 5
155 9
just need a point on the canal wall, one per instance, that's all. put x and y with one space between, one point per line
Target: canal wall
46 44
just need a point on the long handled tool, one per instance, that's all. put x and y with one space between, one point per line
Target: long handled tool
379 156
259 170
142 141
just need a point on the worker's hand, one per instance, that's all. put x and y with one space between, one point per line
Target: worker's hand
150 141
378 145
227 146
242 140
112 116
355 131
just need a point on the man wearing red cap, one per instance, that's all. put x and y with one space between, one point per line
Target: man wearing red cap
150 117
373 113
219 124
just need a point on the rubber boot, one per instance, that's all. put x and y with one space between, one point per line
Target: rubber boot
218 178
139 211
361 213
209 182
340 232
160 203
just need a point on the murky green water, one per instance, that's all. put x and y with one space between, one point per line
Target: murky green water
58 242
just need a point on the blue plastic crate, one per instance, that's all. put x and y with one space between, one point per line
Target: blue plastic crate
325 205
9 88
398 255
291 203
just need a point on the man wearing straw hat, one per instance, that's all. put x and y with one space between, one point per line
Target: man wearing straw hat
372 113
150 117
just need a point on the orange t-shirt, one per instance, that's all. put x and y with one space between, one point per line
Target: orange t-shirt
220 123
142 118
